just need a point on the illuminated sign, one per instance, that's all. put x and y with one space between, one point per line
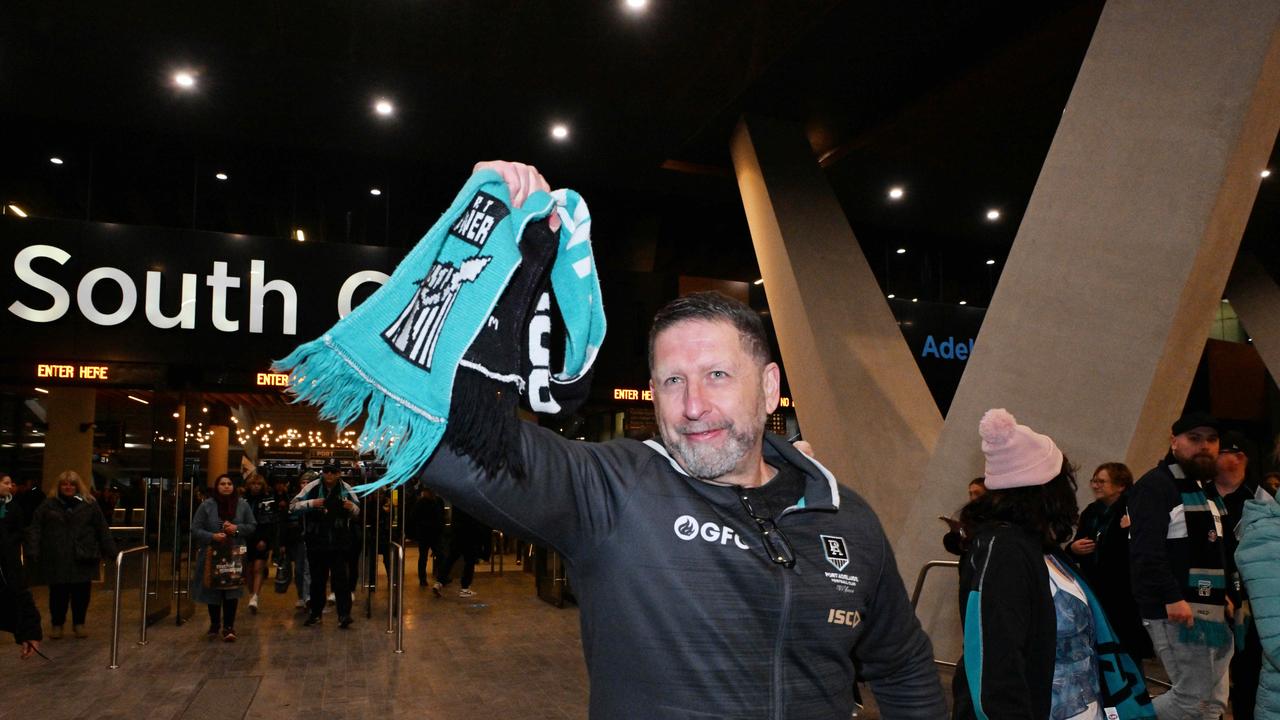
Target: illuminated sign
632 394
647 395
269 379
72 372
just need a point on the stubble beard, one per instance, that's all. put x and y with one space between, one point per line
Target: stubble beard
708 462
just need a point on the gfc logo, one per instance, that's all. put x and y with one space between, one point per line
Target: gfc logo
687 527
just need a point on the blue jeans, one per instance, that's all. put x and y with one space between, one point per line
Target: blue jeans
1198 675
301 571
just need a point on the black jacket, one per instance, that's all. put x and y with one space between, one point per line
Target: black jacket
1106 570
684 614
18 613
426 521
1159 547
65 544
1018 629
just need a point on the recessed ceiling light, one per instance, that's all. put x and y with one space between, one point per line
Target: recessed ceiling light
758 282
1266 173
42 391
637 5
991 262
896 193
17 210
221 176
964 302
375 192
559 132
915 299
993 214
184 80
902 251
299 235
892 296
384 107
55 160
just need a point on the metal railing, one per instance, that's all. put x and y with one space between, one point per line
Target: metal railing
915 594
142 593
395 597
497 543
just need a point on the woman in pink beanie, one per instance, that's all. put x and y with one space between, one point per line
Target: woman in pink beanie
1036 642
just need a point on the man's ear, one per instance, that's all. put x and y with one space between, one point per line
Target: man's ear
770 382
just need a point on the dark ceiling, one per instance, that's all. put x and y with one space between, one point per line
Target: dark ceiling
955 101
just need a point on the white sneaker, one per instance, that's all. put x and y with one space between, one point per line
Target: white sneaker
332 598
436 588
466 593
253 604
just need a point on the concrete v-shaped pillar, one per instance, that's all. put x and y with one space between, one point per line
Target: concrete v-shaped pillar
1103 308
860 398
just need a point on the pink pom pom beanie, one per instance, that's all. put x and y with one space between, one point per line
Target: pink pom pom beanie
1017 456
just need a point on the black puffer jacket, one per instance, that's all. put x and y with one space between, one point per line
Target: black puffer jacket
18 613
66 540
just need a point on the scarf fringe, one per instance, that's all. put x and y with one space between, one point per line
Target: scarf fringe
483 423
400 437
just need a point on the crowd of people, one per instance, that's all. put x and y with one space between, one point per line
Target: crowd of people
306 532
1060 607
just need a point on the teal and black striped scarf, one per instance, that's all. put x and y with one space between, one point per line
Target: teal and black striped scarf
395 358
1206 589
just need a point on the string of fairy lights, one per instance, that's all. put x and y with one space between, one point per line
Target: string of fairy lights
268 435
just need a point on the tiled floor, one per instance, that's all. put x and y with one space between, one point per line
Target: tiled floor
502 654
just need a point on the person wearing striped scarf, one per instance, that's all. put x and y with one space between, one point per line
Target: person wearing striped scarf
1178 571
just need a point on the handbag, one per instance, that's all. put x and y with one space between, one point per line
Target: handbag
224 566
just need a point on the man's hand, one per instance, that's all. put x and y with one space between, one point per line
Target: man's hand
1083 546
522 181
29 648
219 537
229 528
1180 612
350 506
1231 609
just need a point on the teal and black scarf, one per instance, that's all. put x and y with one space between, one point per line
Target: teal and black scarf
1206 589
465 318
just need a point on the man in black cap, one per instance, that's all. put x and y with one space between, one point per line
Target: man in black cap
1178 571
1231 487
327 506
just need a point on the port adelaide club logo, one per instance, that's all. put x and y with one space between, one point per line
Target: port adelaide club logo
835 550
416 331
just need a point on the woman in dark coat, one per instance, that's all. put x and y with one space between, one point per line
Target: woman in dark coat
1101 550
66 539
222 519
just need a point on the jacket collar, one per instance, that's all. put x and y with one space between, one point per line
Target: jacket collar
822 492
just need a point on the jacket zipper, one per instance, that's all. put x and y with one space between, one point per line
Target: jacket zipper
778 704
